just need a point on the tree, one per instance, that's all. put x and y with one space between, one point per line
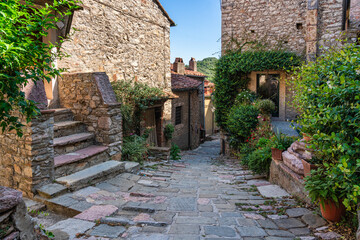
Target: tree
23 55
207 67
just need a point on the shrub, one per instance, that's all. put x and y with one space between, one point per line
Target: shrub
24 57
259 160
328 96
175 152
265 106
169 131
134 148
242 119
245 97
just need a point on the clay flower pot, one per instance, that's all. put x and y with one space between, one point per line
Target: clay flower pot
308 167
332 212
306 137
276 154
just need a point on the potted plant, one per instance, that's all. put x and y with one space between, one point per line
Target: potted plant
306 137
310 165
280 142
322 188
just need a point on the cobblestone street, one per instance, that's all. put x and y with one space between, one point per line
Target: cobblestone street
199 197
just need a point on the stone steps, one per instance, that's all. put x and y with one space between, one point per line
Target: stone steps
66 128
76 161
63 114
74 142
92 175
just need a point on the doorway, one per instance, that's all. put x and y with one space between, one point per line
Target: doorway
268 87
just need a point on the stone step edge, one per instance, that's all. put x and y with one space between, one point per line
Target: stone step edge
132 167
92 175
79 155
51 190
60 111
65 125
72 139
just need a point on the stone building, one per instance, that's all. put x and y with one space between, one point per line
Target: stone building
300 26
188 109
78 133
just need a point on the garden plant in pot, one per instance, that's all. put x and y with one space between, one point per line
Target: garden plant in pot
324 189
310 164
280 142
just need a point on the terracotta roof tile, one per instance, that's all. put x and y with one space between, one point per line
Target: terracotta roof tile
194 73
182 82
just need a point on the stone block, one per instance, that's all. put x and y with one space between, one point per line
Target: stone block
104 230
97 212
72 226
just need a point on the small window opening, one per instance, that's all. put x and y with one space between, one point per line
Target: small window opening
299 26
252 31
346 15
178 115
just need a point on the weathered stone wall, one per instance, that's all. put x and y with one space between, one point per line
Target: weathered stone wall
291 23
93 101
27 162
275 21
126 39
181 133
15 223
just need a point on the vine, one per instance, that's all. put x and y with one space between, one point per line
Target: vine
232 74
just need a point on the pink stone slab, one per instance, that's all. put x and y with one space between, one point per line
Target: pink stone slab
97 212
203 201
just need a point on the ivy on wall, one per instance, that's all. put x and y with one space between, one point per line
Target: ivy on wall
232 74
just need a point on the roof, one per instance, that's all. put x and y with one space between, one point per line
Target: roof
181 82
194 73
172 23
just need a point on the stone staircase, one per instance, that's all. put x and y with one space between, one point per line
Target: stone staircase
79 161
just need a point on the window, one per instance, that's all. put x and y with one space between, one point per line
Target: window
178 116
346 15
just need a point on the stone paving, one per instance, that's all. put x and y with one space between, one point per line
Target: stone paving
200 197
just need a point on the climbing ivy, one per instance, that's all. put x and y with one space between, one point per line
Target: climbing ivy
232 74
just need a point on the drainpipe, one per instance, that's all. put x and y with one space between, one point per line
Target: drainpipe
189 119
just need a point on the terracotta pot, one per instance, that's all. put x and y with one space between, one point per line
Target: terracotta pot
331 212
306 137
308 167
276 154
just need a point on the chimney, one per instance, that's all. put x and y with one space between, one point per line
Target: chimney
193 64
179 66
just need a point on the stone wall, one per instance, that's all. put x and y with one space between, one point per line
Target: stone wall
181 133
93 102
27 162
15 223
126 39
291 23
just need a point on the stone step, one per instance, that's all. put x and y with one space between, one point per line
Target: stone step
71 143
51 190
76 161
92 175
63 114
292 162
66 128
132 167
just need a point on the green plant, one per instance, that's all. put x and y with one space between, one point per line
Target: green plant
322 186
232 71
135 97
47 233
259 160
245 97
328 97
242 119
265 106
169 131
281 141
175 152
24 57
134 148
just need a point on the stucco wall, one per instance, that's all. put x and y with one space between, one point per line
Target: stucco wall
126 39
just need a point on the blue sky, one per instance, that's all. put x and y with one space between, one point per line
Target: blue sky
198 28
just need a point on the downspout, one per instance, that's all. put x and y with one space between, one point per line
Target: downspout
189 119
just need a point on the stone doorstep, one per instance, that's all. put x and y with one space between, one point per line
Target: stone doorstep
92 175
71 139
78 155
63 114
